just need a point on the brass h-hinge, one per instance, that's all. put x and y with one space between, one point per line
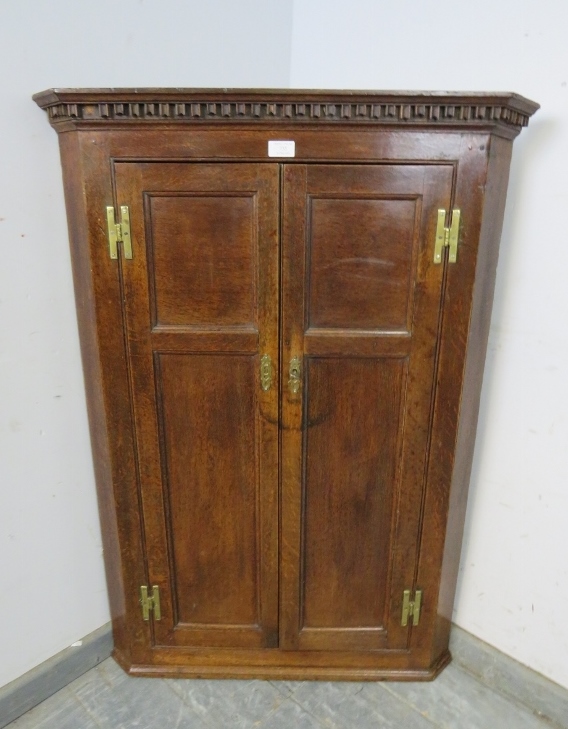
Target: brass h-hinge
119 232
150 602
447 237
411 608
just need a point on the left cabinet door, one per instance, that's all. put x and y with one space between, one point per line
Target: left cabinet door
200 299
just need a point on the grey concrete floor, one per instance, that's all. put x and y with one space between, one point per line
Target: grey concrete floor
105 697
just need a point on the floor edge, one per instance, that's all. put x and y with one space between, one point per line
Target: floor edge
37 685
487 664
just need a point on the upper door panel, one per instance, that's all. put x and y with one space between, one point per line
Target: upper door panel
203 246
361 258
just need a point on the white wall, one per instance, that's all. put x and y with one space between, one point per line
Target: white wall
514 573
52 582
514 577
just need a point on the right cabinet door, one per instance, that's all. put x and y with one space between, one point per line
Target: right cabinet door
360 320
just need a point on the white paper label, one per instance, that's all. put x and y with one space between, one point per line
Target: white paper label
281 148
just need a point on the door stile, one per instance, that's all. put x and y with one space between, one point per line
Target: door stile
293 227
151 503
436 193
269 401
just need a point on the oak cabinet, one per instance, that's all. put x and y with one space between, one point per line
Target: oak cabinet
283 356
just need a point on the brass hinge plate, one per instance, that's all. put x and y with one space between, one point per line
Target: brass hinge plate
119 232
447 237
150 602
411 608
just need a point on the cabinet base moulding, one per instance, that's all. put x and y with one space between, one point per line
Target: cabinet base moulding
283 672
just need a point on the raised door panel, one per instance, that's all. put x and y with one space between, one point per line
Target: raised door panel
203 259
207 413
360 263
361 310
201 309
350 465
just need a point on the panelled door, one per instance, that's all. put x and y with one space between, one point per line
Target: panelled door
360 315
201 309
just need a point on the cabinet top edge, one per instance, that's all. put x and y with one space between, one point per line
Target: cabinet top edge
159 93
438 108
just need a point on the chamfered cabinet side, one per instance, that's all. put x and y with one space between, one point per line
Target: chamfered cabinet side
340 342
481 190
88 189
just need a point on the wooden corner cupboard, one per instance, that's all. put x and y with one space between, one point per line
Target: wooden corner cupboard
284 302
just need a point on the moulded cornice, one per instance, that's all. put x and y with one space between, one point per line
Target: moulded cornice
152 106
